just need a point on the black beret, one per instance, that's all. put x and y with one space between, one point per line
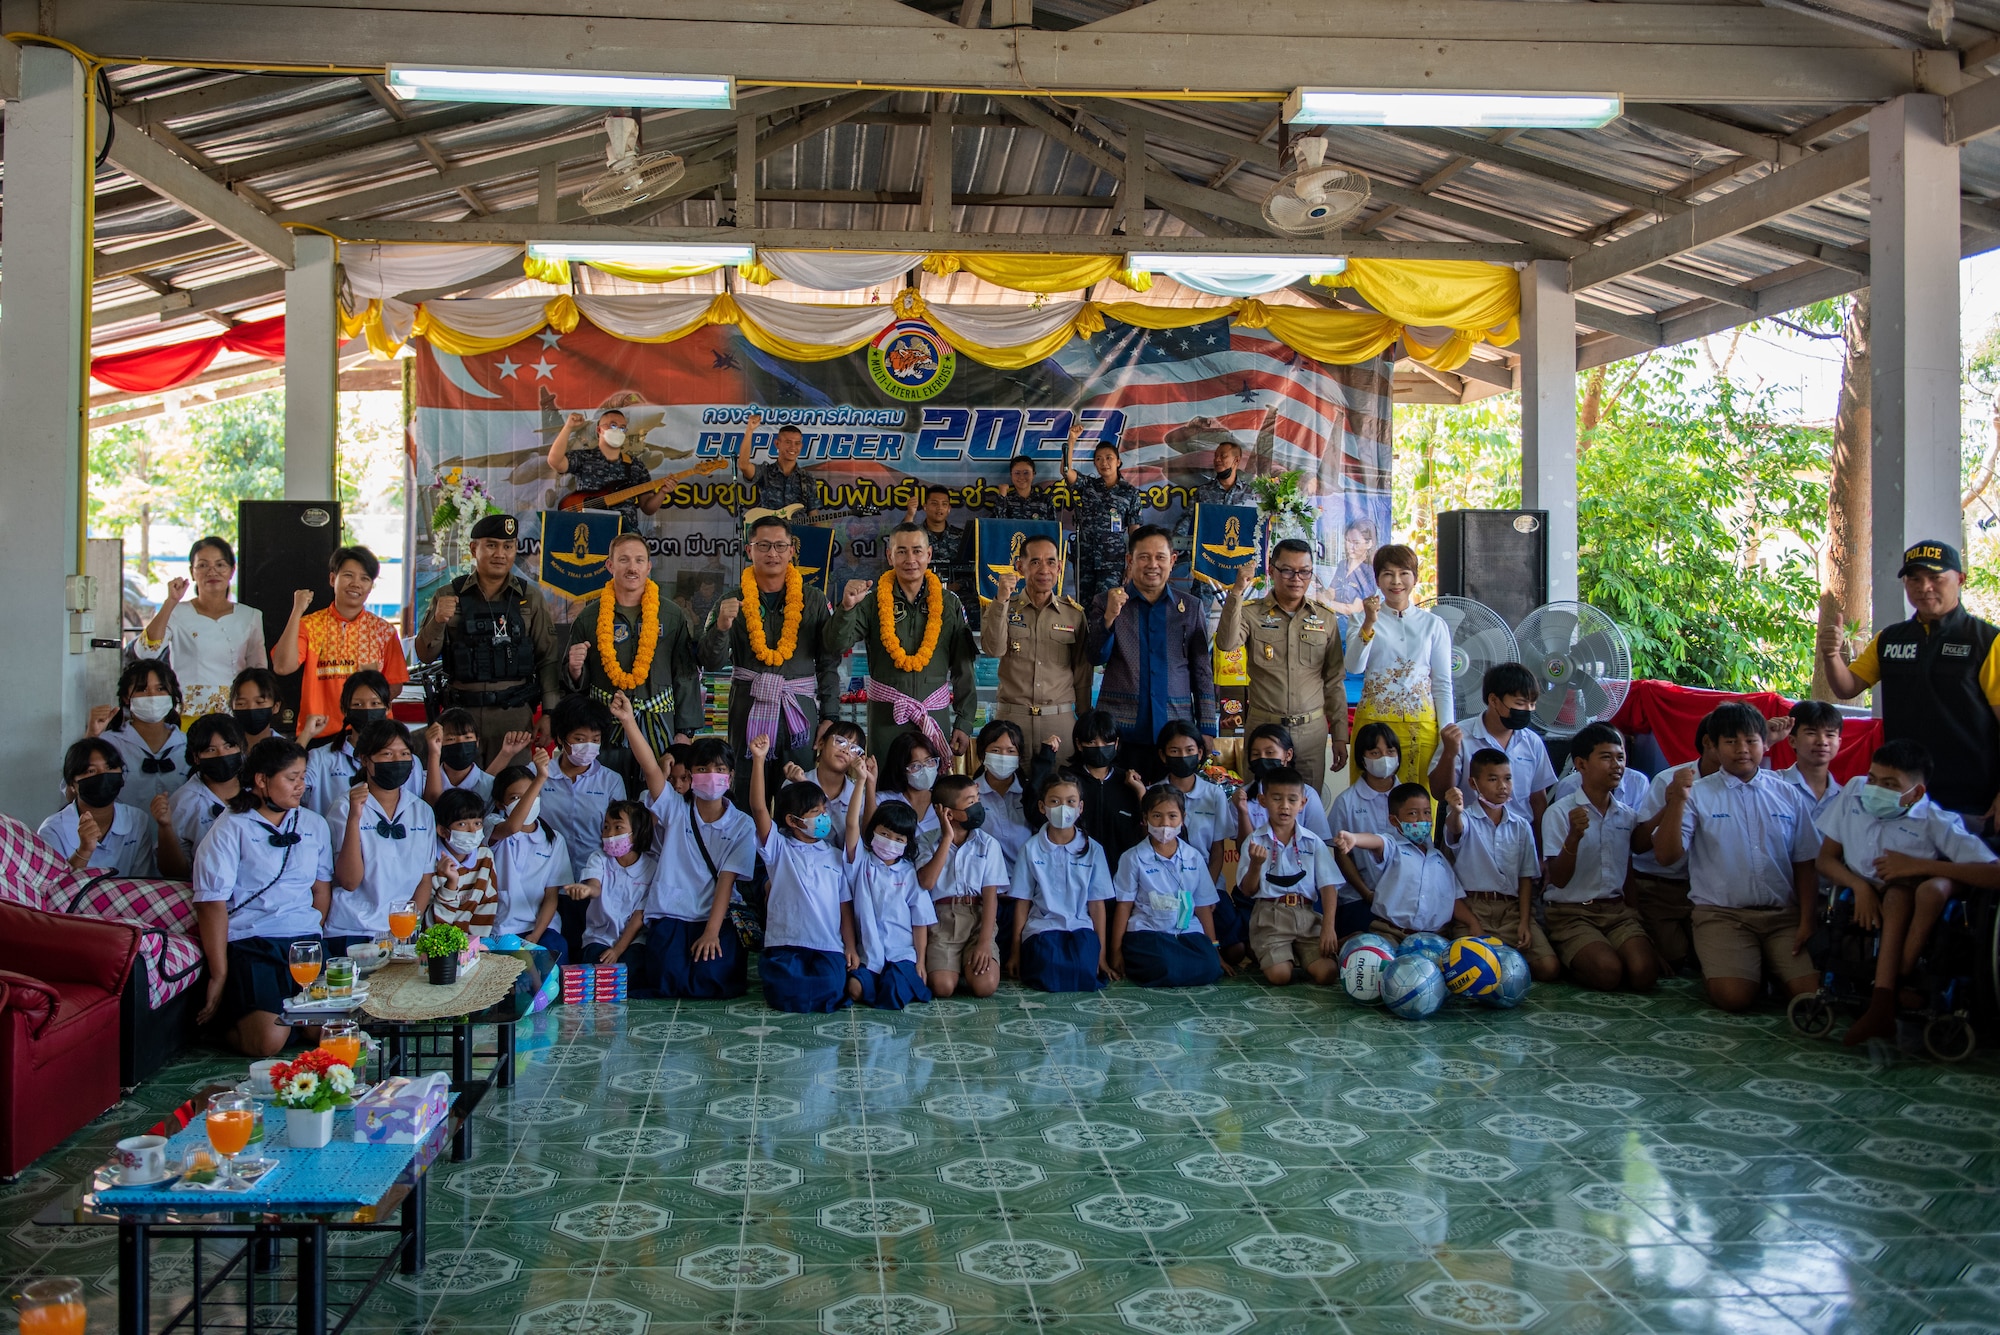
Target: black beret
495 526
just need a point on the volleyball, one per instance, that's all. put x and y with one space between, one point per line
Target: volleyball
1412 987
1514 979
1361 968
1348 946
1471 968
1428 944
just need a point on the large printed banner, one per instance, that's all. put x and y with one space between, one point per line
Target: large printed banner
903 413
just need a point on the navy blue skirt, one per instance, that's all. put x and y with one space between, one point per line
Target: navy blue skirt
260 977
802 980
1351 918
1170 959
1061 961
676 972
1232 921
896 986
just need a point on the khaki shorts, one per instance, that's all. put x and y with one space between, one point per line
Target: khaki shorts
1383 927
1284 933
951 936
1611 922
1662 902
1500 915
1733 943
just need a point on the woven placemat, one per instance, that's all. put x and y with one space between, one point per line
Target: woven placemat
404 992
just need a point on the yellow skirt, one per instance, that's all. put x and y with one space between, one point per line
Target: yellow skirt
1418 737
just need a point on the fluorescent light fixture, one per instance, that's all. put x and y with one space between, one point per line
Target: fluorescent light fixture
1336 106
1234 266
641 254
452 83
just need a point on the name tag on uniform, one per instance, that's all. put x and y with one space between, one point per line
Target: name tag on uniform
1117 522
1016 619
1955 651
1900 650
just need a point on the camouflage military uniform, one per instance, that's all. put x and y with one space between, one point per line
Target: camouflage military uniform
774 489
1211 492
1039 504
1105 518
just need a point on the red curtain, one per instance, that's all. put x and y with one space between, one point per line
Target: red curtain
152 369
1672 712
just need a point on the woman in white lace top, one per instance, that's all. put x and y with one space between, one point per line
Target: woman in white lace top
1405 653
208 639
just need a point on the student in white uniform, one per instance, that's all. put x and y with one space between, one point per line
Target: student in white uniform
261 882
1903 856
94 831
451 756
1509 692
1290 877
836 757
1588 838
1063 883
1659 890
1416 891
333 768
616 881
531 863
215 751
1209 818
1815 739
1000 747
962 947
706 846
1492 852
1163 923
1267 750
146 730
909 771
253 703
1750 846
1363 808
807 951
887 914
386 846
578 791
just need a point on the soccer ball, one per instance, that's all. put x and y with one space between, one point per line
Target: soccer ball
1514 979
1362 966
1412 987
1471 967
1428 944
1359 939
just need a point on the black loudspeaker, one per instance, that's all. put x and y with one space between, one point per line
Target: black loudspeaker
281 547
1496 557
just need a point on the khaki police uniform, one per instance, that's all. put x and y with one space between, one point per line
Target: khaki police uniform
1045 668
1297 673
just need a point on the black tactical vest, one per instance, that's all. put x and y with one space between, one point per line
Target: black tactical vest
490 640
1930 694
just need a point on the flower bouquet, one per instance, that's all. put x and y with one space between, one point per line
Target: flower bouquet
462 501
1283 502
309 1090
443 948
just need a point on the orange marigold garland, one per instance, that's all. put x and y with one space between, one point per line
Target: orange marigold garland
885 611
753 618
649 637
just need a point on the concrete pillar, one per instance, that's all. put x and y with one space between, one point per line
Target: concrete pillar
41 389
312 371
1913 261
1548 413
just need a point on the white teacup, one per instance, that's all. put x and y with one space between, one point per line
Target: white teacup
142 1159
260 1078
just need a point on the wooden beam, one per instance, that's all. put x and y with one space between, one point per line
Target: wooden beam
136 153
1709 129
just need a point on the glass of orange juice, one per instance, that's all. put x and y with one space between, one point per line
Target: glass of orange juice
230 1119
341 1040
305 962
51 1307
403 920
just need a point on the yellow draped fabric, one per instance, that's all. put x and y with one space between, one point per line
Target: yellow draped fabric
558 271
1038 273
1477 302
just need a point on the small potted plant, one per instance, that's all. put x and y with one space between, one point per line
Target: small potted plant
440 945
309 1090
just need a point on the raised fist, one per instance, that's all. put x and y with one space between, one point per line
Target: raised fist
854 592
577 654
1114 603
573 421
444 607
177 588
1256 853
1243 578
760 747
87 833
1453 735
1454 799
725 612
1371 606
158 808
301 600
100 718
1683 782
1343 842
311 726
1579 822
1004 585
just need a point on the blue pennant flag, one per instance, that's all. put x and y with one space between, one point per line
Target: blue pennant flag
998 543
1226 539
576 550
815 555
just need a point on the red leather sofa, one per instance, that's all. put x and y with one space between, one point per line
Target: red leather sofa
61 978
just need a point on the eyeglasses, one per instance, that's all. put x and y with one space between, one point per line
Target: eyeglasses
1292 572
767 548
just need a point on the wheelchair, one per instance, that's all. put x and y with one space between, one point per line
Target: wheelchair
1958 974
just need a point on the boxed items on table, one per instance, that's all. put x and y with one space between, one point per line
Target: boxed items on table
586 983
402 1110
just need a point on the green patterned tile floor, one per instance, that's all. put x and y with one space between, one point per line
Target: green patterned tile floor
1208 1162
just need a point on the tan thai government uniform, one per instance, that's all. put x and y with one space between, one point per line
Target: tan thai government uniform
1297 674
1044 670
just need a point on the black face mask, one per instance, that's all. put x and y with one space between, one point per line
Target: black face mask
1183 766
459 755
391 773
253 720
973 816
1099 757
100 790
361 718
1517 719
221 769
1264 765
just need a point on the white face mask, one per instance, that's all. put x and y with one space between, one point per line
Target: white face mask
466 842
1163 834
923 776
1002 766
614 436
887 847
1061 817
150 708
582 753
1382 767
534 810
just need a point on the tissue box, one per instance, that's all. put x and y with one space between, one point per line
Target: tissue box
402 1110
585 983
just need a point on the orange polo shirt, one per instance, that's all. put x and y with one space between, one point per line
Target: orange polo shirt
332 649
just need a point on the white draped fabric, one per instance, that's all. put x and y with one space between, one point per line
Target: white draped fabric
1241 285
390 270
643 317
1002 326
825 325
827 271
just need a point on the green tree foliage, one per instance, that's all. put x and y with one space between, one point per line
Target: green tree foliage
236 451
